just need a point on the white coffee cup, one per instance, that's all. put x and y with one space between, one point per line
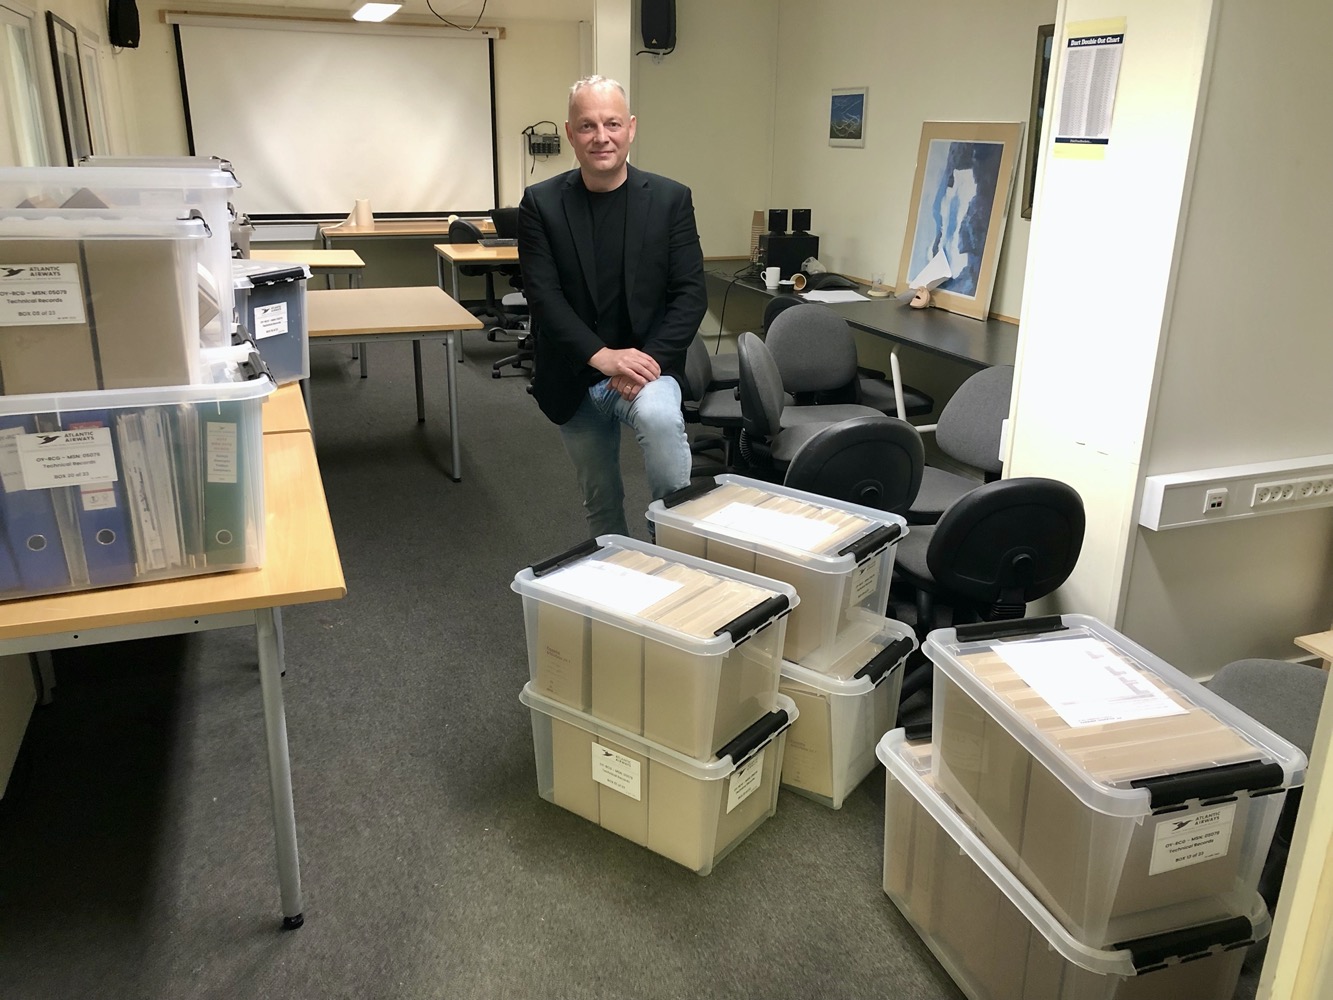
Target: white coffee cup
771 276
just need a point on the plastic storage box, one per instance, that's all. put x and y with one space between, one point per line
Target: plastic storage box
1126 796
126 485
838 556
678 650
153 191
999 943
270 305
693 812
844 712
90 301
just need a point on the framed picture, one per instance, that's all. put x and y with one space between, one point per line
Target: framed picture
960 201
69 88
847 117
1041 73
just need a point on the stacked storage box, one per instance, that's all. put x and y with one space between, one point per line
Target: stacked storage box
270 306
998 942
1118 804
842 658
128 450
154 192
654 693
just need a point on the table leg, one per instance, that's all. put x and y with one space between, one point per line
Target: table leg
897 375
456 469
457 298
309 406
354 281
268 631
46 674
421 395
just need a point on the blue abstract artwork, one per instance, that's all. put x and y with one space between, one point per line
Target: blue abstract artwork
954 215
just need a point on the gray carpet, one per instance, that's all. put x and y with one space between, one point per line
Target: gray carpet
136 847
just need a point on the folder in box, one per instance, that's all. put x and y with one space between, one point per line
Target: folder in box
9 573
28 516
39 354
222 435
103 519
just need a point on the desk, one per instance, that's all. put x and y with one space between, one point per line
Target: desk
284 411
470 253
301 566
1319 643
400 229
414 313
325 262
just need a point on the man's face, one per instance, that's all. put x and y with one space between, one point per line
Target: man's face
600 128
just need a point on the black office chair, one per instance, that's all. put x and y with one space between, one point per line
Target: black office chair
816 353
866 460
968 431
1285 697
771 431
490 311
719 409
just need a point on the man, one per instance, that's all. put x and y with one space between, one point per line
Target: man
614 279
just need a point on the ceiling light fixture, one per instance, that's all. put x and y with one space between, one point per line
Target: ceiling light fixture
375 11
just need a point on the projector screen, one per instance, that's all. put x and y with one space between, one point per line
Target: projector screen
315 118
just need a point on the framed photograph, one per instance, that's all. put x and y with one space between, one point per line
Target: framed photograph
1041 73
847 117
956 218
69 88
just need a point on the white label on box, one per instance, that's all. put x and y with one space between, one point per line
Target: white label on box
271 320
11 473
1086 681
1179 843
625 590
865 581
790 530
67 458
745 780
616 771
40 294
222 459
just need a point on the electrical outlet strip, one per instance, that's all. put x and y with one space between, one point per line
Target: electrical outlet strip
1180 499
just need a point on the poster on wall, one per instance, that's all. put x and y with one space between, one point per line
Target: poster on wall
957 215
1089 75
847 117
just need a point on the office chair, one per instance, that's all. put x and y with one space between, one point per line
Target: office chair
771 431
816 353
708 407
869 461
490 312
1285 697
968 431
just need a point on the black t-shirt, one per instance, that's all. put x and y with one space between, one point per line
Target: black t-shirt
608 242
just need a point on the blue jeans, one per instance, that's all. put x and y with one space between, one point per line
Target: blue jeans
592 439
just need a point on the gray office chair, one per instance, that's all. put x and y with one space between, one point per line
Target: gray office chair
1285 697
866 460
968 431
816 353
771 431
489 311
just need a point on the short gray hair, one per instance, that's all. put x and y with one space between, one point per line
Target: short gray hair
597 81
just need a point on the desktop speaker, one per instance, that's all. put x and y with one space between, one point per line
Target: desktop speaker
800 220
777 220
122 24
657 20
787 251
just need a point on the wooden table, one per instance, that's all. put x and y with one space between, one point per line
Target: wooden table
325 262
284 411
301 566
1319 643
470 253
401 229
414 313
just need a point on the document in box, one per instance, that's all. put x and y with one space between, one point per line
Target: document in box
791 530
1086 682
625 590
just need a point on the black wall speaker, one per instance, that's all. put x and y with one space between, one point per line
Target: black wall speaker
657 19
122 24
777 220
800 220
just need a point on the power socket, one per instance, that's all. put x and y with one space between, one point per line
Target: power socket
1215 500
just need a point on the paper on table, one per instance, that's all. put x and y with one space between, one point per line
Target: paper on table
625 590
835 295
791 530
937 270
1086 682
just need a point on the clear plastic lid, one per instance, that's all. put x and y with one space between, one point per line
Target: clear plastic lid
599 579
910 765
128 178
822 534
1123 730
886 644
95 224
722 765
177 162
248 273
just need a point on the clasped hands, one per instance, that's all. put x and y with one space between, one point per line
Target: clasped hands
629 369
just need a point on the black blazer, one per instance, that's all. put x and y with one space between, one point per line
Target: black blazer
664 281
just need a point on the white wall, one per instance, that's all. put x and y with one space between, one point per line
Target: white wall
1246 373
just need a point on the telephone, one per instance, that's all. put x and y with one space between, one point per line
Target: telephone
823 280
